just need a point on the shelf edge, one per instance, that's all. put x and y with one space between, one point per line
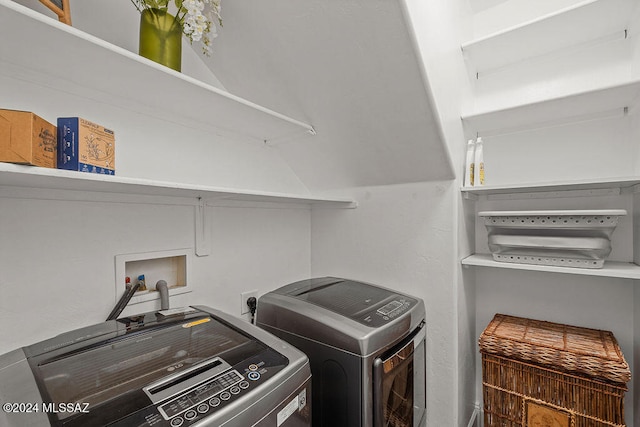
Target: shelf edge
12 175
613 269
606 183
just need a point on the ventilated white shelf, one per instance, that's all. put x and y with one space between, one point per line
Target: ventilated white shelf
48 53
616 100
56 179
587 21
618 184
621 270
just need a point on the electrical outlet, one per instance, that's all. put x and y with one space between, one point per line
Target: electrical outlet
244 296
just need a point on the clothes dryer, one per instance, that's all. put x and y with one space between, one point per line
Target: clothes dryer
366 345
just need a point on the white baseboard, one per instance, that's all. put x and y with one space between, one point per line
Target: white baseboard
474 421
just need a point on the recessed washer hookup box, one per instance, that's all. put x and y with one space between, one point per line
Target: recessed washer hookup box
85 146
26 138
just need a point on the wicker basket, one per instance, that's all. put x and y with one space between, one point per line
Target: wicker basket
549 374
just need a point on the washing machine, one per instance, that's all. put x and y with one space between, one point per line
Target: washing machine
192 366
366 345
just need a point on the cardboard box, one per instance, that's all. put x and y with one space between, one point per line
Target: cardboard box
85 146
27 139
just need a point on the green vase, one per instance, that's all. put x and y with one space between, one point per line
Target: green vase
161 38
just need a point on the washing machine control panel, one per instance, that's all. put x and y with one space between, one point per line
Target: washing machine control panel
391 310
204 397
203 400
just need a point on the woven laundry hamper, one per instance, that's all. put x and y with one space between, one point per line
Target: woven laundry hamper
543 374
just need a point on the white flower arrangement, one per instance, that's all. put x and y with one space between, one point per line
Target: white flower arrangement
198 18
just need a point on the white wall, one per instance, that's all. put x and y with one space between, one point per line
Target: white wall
440 28
598 148
57 256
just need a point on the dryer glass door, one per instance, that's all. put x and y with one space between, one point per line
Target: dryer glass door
399 384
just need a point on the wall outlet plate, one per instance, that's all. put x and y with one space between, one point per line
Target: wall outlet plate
244 296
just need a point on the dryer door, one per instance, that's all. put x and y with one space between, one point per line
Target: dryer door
400 383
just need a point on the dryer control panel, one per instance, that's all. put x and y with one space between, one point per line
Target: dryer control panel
388 312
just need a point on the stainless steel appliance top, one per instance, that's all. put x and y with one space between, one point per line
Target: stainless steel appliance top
355 316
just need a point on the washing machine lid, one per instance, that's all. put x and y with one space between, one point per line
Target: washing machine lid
365 303
124 363
150 369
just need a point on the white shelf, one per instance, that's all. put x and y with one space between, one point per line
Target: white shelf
56 179
587 21
621 183
614 100
46 52
621 270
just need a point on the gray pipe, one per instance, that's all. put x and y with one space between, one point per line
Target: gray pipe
124 300
161 286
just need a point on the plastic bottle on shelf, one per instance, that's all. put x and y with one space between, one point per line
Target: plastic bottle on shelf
479 164
469 164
